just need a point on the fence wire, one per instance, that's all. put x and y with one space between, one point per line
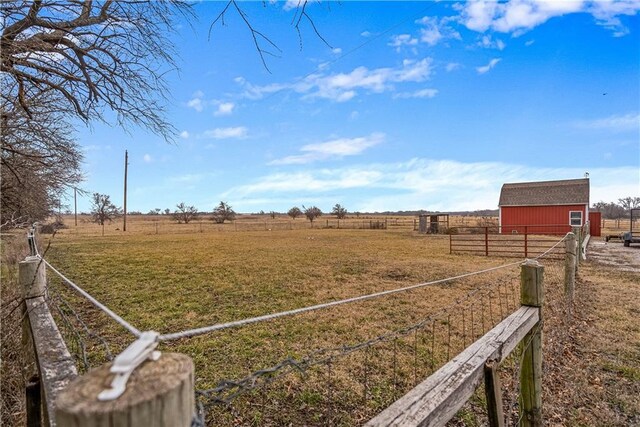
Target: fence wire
75 322
349 384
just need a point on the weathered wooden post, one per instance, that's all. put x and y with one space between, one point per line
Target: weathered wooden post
32 278
158 393
493 391
570 257
578 233
532 295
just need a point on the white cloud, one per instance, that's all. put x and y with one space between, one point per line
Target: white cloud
226 133
400 40
519 16
529 42
451 66
341 87
184 134
254 92
423 93
444 185
334 149
436 30
224 109
336 50
365 34
478 15
490 65
354 115
196 103
614 123
147 158
487 42
292 4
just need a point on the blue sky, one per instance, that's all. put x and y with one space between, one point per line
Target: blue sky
414 105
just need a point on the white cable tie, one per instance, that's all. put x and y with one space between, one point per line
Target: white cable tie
126 362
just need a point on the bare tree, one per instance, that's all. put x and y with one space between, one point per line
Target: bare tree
339 211
67 60
294 212
39 160
184 213
223 212
263 43
629 203
312 213
610 210
91 55
102 210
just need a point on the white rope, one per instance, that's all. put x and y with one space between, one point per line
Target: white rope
94 301
220 326
552 247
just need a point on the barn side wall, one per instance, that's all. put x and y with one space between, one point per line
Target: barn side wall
538 219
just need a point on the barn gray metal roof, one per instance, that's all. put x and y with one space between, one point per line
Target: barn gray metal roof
565 192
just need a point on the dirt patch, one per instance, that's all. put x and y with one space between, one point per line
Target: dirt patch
615 254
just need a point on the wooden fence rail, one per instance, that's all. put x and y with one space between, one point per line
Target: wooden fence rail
48 365
437 399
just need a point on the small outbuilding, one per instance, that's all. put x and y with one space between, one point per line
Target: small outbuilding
545 207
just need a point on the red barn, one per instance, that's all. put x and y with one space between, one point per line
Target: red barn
545 207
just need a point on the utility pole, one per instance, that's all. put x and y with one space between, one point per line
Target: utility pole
126 164
75 204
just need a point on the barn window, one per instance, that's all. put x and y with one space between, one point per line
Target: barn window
575 218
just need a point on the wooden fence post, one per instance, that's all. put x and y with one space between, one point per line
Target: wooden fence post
493 391
578 233
532 295
159 393
32 278
570 257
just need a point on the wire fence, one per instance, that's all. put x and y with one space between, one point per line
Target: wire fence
353 380
349 384
164 224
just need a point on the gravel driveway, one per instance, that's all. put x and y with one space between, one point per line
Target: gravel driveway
614 254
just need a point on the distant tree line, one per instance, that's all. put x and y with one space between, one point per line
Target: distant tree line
613 210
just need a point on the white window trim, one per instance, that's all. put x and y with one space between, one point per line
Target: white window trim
581 218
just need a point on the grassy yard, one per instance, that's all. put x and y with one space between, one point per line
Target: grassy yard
175 281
